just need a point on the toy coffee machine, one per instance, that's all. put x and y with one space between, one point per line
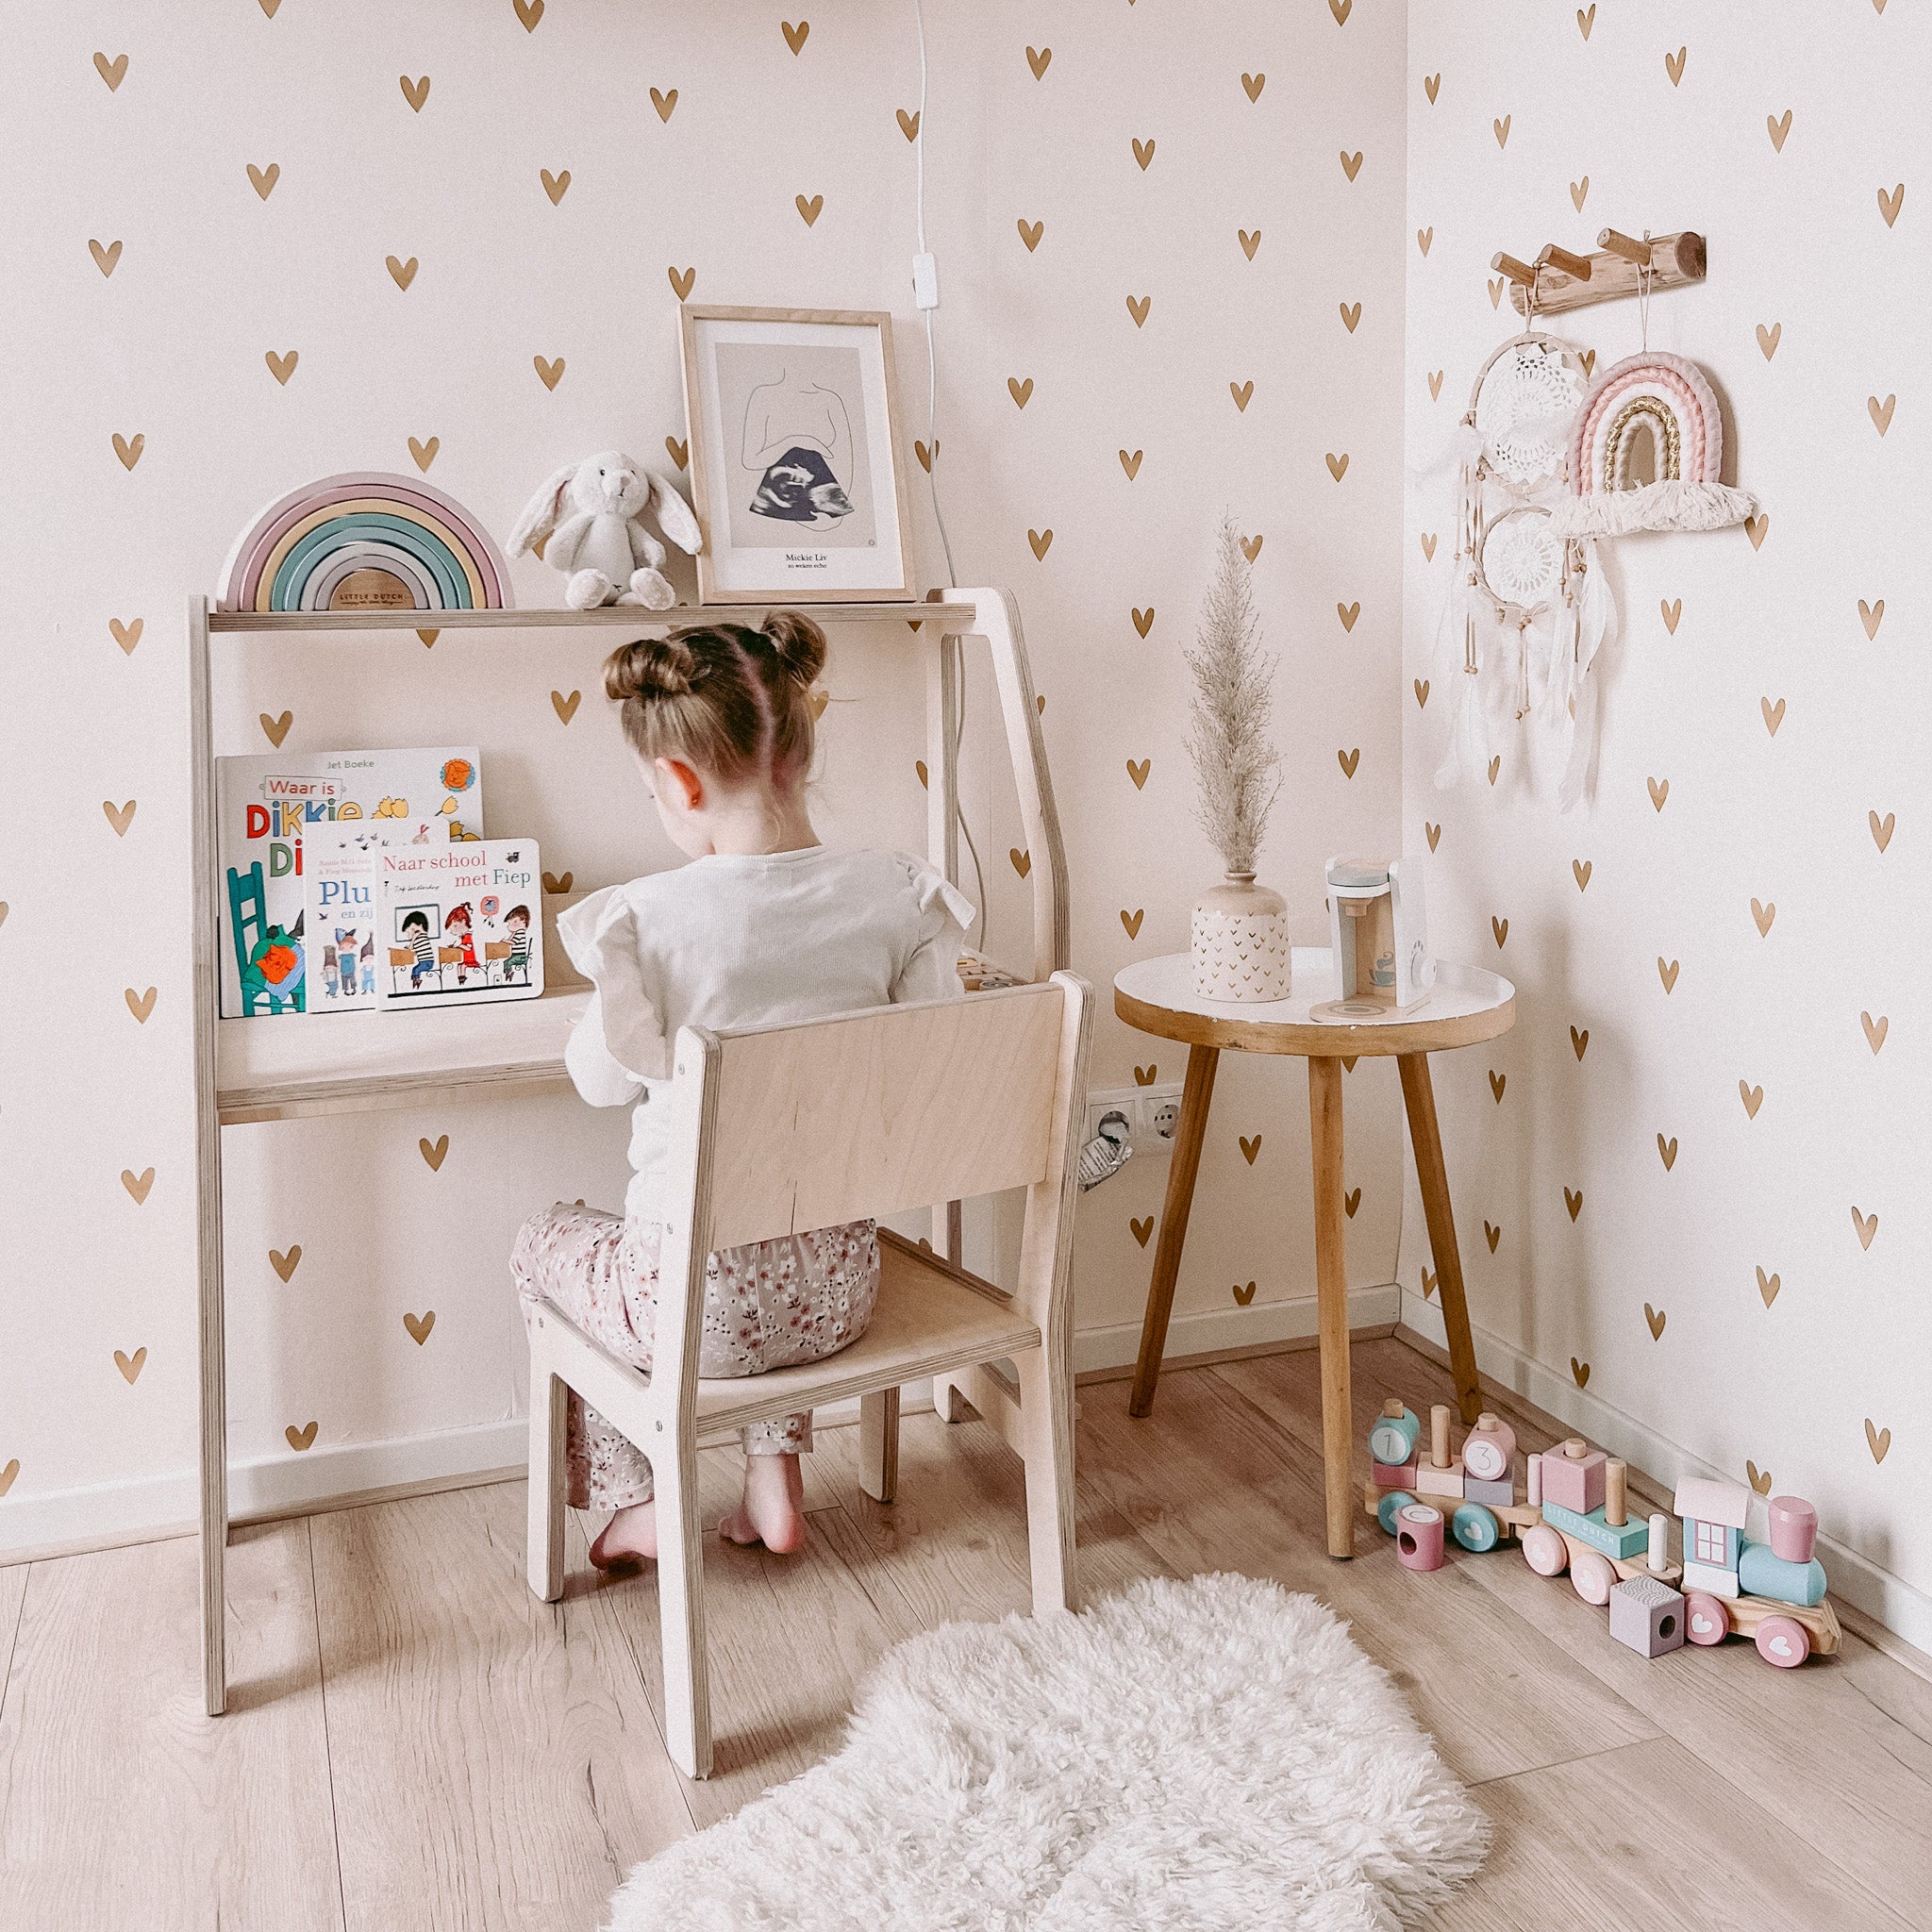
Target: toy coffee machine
1379 931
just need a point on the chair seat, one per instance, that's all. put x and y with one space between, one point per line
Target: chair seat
930 1318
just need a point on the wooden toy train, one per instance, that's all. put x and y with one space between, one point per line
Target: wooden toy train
1575 1515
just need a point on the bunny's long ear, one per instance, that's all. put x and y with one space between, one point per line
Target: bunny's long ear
540 513
674 516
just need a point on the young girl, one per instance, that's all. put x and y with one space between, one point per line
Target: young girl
763 924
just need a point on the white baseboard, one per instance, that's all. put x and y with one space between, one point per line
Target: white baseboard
1882 1596
1211 1330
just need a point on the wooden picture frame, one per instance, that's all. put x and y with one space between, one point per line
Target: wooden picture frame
796 474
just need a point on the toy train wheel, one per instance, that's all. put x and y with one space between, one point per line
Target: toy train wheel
1592 1575
1705 1619
1385 1508
1783 1641
1475 1528
1544 1550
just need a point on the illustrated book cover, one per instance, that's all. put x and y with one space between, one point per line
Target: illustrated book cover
459 924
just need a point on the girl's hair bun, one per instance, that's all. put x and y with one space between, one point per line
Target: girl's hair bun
650 668
797 643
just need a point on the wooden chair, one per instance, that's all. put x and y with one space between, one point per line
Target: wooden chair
781 1128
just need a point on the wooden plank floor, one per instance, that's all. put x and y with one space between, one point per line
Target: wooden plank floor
414 1741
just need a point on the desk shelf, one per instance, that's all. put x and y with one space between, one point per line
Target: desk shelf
606 617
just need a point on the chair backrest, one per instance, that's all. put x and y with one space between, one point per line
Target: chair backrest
828 1121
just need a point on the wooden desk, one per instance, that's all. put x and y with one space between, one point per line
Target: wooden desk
1467 1005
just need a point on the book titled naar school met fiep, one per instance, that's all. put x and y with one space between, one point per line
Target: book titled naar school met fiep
457 924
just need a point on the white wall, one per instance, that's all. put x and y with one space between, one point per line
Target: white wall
171 346
1822 1390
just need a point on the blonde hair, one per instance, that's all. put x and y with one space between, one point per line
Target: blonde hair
731 701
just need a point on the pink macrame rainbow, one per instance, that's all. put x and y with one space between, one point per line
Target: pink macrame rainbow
1665 394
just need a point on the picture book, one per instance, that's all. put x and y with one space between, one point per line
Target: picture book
459 924
268 807
339 889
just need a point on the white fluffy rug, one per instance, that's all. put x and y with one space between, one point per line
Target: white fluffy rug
1213 1755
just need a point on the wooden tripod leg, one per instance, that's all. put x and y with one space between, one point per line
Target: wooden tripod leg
1196 1092
1331 1286
1419 1097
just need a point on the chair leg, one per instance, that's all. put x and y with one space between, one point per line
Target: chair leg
681 1614
878 1444
1046 1435
549 1414
947 1400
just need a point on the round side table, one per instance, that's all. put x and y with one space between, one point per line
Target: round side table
1467 1005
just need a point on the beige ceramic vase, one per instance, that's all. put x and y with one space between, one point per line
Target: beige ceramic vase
1240 943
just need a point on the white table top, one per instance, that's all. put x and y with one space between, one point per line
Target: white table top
1467 1005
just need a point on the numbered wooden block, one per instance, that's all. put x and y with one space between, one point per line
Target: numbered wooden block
1395 1433
1418 1537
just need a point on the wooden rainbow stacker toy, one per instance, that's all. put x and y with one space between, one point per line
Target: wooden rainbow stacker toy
1575 1515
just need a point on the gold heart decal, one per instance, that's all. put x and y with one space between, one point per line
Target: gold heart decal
529 13
681 282
119 816
555 186
1251 1145
1138 306
908 123
1667 1151
433 1152
414 91
1589 361
1348 760
1671 608
1132 921
1758 528
137 1185
1876 1030
1574 1201
548 374
1143 153
113 72
420 1325
1351 1201
140 1003
1655 1319
1500 928
1144 1076
1428 1285
919 766
105 259
1423 237
1030 233
1241 393
1351 163
1579 1373
1253 84
401 273
300 1439
1433 833
1251 547
1039 60
1866 1224
285 1265
1249 241
1138 771
1502 130
558 883
1341 9
129 452
1778 127
1675 68
8 1474
1491 1235
1432 86
1042 541
1497 1083
1023 861
1880 412
1889 204
1350 314
1759 1479
1348 613
1882 829
1764 915
1768 1286
565 708
1581 867
126 635
1586 21
1768 339
1496 292
809 211
423 454
1338 466
130 1365
1143 620
263 179
1579 193
1348 1060
1877 1441
666 104
1579 1041
795 36
1773 714
1142 1229
1871 616
1659 791
275 729
679 452
1496 766
1753 1098
1244 1295
1423 689
1668 974
429 638
1435 384
1131 464
1022 393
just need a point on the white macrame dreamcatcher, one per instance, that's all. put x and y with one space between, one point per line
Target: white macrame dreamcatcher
1524 617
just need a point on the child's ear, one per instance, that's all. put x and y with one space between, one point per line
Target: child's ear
679 783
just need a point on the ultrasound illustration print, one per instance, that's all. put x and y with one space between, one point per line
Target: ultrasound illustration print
796 432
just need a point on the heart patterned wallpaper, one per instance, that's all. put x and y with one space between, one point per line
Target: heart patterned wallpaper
1702 1151
270 240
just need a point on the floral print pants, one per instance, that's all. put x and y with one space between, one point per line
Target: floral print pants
767 1306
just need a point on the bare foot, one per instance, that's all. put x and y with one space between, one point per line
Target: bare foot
772 1511
629 1536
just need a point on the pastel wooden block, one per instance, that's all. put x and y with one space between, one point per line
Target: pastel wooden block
1573 1481
1710 1579
1490 1449
1395 1433
1393 1475
1418 1537
1793 1529
1622 1540
1477 1491
1430 1481
1761 1571
1648 1615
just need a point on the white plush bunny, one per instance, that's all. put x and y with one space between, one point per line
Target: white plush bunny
600 544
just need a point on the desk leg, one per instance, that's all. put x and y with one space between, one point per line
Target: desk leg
1196 1092
1419 1097
1331 1286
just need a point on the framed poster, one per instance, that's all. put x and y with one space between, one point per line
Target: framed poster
794 454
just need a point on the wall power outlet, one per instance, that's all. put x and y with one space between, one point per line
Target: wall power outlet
1152 1115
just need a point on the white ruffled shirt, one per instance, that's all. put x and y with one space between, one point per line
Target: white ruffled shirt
734 940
